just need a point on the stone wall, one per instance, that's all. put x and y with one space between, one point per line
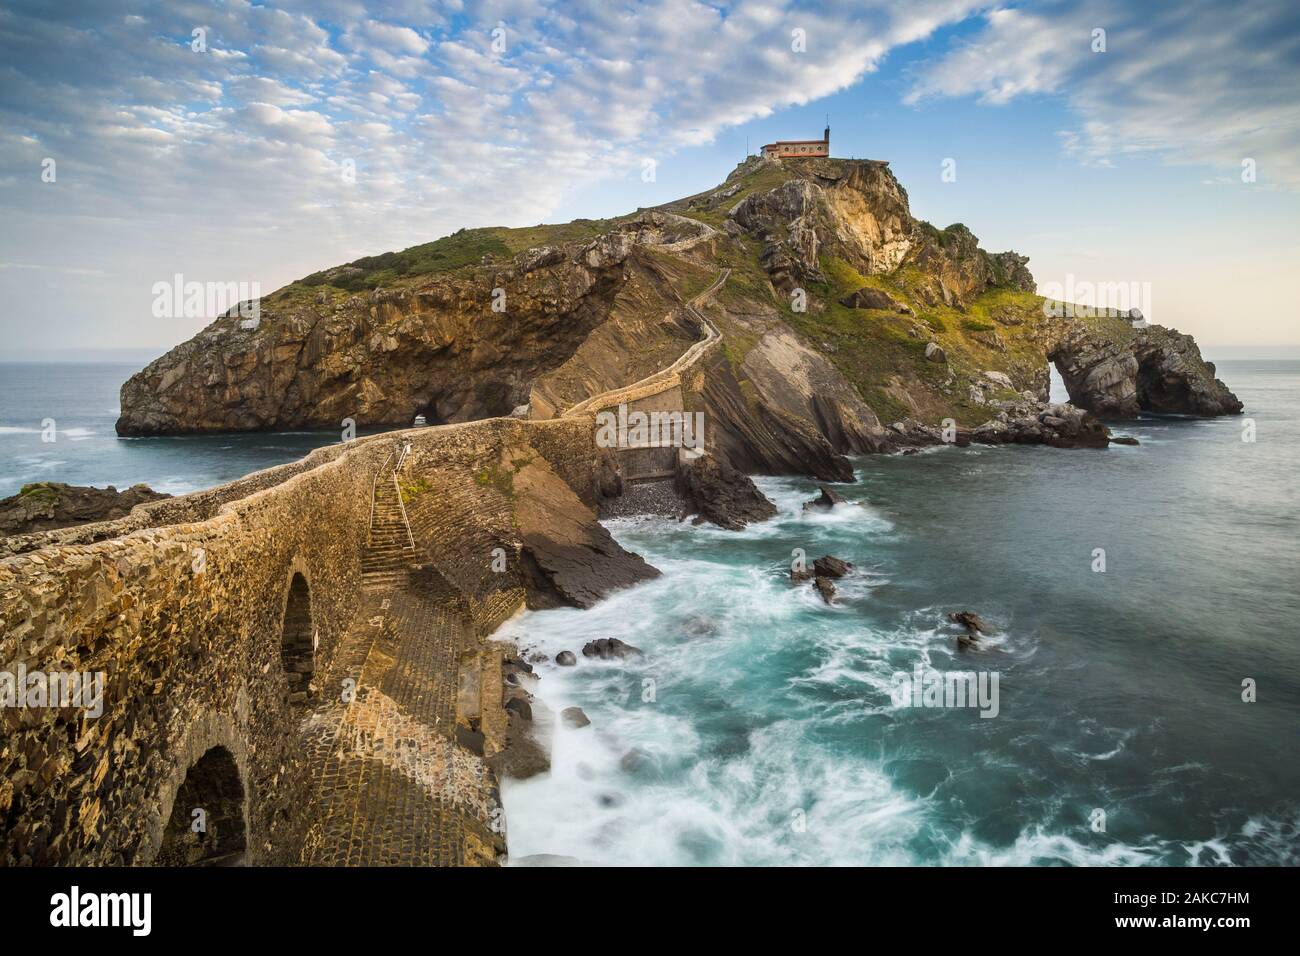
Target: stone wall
186 620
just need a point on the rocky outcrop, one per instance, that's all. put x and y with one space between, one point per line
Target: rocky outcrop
719 493
47 505
762 438
1024 422
855 210
1032 423
785 219
567 556
1115 372
825 587
610 648
828 566
960 268
827 499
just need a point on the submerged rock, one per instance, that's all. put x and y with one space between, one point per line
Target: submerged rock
970 620
609 648
974 625
825 501
574 717
830 567
826 588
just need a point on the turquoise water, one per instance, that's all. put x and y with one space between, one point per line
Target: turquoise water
82 399
771 735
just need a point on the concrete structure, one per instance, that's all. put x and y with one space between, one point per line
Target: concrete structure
799 148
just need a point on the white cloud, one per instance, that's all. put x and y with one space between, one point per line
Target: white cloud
1191 82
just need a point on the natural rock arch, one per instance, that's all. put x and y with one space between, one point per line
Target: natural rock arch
297 639
207 823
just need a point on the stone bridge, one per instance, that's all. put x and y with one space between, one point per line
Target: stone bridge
658 392
277 689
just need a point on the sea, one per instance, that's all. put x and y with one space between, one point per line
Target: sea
1141 684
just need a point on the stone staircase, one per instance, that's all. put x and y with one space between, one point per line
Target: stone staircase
389 552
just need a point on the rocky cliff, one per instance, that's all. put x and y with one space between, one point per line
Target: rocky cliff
841 314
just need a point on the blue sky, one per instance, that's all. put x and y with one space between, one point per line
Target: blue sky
231 163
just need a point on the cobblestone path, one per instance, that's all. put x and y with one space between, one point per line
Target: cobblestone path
393 781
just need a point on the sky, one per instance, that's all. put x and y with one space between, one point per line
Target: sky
1153 145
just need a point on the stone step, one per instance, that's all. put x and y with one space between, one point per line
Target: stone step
391 564
388 557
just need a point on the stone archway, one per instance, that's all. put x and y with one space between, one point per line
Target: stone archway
298 639
206 826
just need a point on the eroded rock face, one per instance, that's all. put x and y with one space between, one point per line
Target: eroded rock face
784 218
856 210
47 505
720 493
1153 369
763 438
432 346
568 558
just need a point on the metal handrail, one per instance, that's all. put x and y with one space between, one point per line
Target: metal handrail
401 502
374 484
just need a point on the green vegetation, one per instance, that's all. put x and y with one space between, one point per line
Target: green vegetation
494 476
413 488
464 248
502 479
975 325
39 491
765 179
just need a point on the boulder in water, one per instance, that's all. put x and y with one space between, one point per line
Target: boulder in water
829 567
575 717
974 625
608 648
825 501
826 588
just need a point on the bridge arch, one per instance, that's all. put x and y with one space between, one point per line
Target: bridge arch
210 774
298 635
208 821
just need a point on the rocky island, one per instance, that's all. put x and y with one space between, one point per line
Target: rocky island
304 652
